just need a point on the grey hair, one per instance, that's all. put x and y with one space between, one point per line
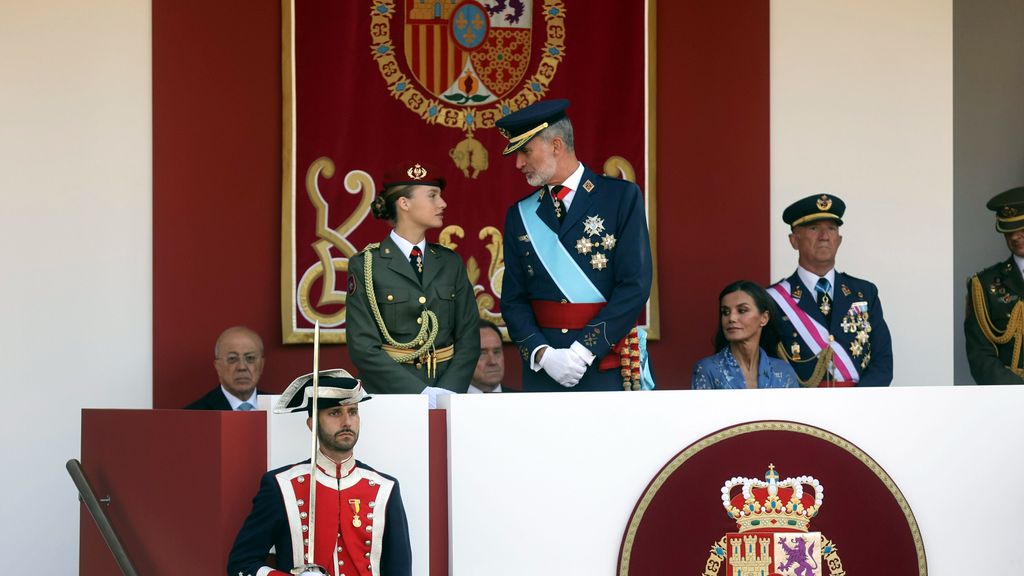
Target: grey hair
243 329
561 129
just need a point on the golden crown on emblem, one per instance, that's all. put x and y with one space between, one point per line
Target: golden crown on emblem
771 504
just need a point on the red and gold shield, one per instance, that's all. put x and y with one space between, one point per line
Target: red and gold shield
468 53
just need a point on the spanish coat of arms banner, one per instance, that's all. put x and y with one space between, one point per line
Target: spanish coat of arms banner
371 83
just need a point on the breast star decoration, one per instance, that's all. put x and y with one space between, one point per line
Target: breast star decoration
593 226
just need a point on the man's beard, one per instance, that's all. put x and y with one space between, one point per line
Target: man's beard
338 443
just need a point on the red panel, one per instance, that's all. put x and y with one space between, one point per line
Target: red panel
217 182
713 177
438 422
178 499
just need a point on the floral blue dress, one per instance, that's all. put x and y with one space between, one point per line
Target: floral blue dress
723 371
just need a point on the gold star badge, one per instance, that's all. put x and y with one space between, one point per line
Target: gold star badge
599 261
593 225
608 242
583 245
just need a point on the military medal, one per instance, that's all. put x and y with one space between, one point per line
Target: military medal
583 245
598 261
825 307
593 225
354 505
608 241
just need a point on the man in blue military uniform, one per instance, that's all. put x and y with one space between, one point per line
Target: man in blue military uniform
577 262
994 322
833 331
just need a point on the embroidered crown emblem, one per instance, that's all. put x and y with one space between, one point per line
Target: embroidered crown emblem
824 203
1008 211
771 504
417 172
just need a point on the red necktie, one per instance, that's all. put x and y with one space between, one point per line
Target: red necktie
558 194
416 259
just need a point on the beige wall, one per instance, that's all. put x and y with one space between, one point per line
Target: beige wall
862 107
989 148
75 248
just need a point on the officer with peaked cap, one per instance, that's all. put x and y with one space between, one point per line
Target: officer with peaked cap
994 322
577 262
360 524
833 331
411 315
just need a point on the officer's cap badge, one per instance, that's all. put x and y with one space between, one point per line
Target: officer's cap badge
824 202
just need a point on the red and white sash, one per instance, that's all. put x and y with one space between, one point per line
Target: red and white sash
814 334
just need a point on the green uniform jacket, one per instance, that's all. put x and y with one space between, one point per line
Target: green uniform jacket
1003 289
445 290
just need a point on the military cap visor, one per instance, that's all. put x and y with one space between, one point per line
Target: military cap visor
522 125
1009 209
335 388
813 209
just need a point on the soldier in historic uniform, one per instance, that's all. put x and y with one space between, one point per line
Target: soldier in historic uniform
577 262
994 322
358 526
833 330
411 312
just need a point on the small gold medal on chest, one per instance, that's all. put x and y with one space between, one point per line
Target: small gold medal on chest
354 503
794 350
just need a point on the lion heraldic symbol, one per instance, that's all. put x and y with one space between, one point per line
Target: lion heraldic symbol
800 556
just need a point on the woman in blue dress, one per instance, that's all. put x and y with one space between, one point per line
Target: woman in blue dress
745 331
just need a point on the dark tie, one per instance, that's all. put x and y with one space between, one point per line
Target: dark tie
824 302
558 194
416 259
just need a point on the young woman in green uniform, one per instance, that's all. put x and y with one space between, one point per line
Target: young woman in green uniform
411 312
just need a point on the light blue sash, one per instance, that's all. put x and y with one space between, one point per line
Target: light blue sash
566 273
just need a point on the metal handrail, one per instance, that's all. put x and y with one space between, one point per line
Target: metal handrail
102 522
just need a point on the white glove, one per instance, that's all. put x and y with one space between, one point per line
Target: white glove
312 573
433 393
563 365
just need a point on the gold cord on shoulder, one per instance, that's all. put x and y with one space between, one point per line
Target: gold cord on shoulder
423 343
1014 326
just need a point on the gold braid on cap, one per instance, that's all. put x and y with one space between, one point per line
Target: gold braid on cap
422 342
1014 326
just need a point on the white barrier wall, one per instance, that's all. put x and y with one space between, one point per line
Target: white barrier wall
393 439
559 474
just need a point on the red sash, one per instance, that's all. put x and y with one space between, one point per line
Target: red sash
569 316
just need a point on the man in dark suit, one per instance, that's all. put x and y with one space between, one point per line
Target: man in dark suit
833 330
238 360
490 368
577 262
994 322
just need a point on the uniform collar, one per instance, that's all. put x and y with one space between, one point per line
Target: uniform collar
810 279
572 183
404 246
332 468
1020 264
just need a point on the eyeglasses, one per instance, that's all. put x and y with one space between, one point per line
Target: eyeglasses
233 359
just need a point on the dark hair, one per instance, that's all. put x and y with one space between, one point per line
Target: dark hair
488 324
383 206
770 333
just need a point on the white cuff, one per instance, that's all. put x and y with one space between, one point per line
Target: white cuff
583 352
534 365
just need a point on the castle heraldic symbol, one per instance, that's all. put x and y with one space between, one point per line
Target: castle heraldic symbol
467 62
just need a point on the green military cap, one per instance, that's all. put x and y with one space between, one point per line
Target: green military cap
814 208
1009 209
